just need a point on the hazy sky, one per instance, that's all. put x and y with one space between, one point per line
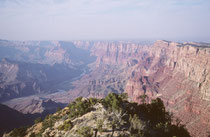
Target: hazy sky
105 19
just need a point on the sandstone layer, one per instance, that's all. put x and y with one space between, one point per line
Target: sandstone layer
179 73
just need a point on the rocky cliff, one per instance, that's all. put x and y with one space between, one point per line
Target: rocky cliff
117 53
179 73
109 73
172 59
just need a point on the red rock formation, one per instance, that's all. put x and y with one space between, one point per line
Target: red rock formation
180 75
117 53
177 73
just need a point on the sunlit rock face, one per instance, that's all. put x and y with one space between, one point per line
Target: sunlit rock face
179 73
174 60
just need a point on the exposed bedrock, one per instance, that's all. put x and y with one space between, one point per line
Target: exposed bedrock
179 73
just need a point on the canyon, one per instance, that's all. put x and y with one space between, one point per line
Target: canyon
178 73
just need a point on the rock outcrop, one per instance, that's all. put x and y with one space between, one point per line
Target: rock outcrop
117 53
112 116
179 74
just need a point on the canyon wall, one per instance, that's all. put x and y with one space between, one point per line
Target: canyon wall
20 79
114 53
174 59
178 73
39 67
114 64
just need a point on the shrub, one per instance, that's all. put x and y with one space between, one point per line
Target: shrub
32 135
113 101
143 98
157 113
49 121
99 125
19 132
35 135
152 119
124 96
136 123
37 120
66 126
85 132
93 101
80 107
58 109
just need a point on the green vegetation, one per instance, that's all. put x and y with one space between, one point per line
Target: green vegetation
80 107
19 132
35 135
137 120
38 120
99 125
136 125
85 132
58 109
146 119
153 120
123 96
143 98
66 126
49 121
113 102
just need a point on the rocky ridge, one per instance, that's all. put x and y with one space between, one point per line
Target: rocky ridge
112 116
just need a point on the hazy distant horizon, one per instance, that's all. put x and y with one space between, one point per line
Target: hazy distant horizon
173 20
151 41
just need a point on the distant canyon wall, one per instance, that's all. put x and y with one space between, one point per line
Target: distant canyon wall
178 73
174 59
39 67
114 53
